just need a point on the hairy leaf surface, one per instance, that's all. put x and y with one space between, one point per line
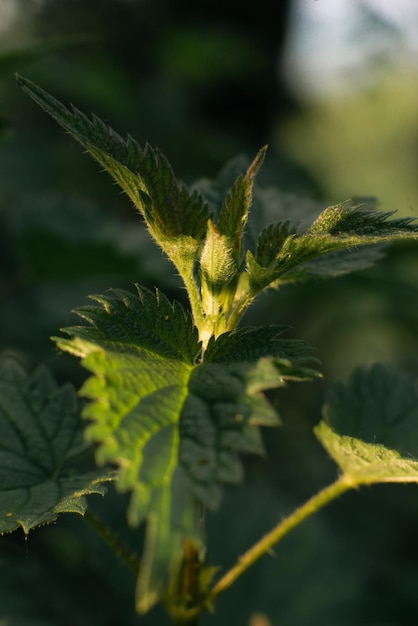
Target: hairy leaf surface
252 343
174 425
175 216
370 426
284 255
236 207
40 434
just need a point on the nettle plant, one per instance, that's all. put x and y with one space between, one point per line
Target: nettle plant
176 396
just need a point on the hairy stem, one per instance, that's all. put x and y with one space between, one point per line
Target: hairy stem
112 540
266 543
194 298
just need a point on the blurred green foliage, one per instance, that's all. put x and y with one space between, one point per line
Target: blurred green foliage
199 80
364 142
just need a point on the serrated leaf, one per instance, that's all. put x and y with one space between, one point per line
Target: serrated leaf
40 432
251 343
370 426
225 404
344 227
175 216
222 253
174 426
348 218
215 190
270 242
235 209
339 263
141 350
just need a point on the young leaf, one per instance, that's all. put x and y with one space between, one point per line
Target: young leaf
340 262
270 242
214 191
173 425
40 433
222 256
370 426
361 220
236 207
175 216
283 257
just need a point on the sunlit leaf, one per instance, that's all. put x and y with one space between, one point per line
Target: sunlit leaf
339 231
370 426
175 216
174 425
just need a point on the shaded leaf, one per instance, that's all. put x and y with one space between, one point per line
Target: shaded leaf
40 434
270 242
252 343
225 404
370 426
340 262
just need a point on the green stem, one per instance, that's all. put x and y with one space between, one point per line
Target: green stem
112 540
266 543
194 298
239 310
244 296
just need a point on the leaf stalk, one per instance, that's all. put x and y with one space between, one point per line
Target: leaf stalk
266 543
112 540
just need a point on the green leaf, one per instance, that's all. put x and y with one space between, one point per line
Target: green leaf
224 407
339 262
40 434
215 190
370 426
348 218
236 207
270 242
218 265
175 426
283 255
222 255
141 350
175 216
251 343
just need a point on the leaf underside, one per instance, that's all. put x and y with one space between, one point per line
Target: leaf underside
370 426
174 425
40 434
